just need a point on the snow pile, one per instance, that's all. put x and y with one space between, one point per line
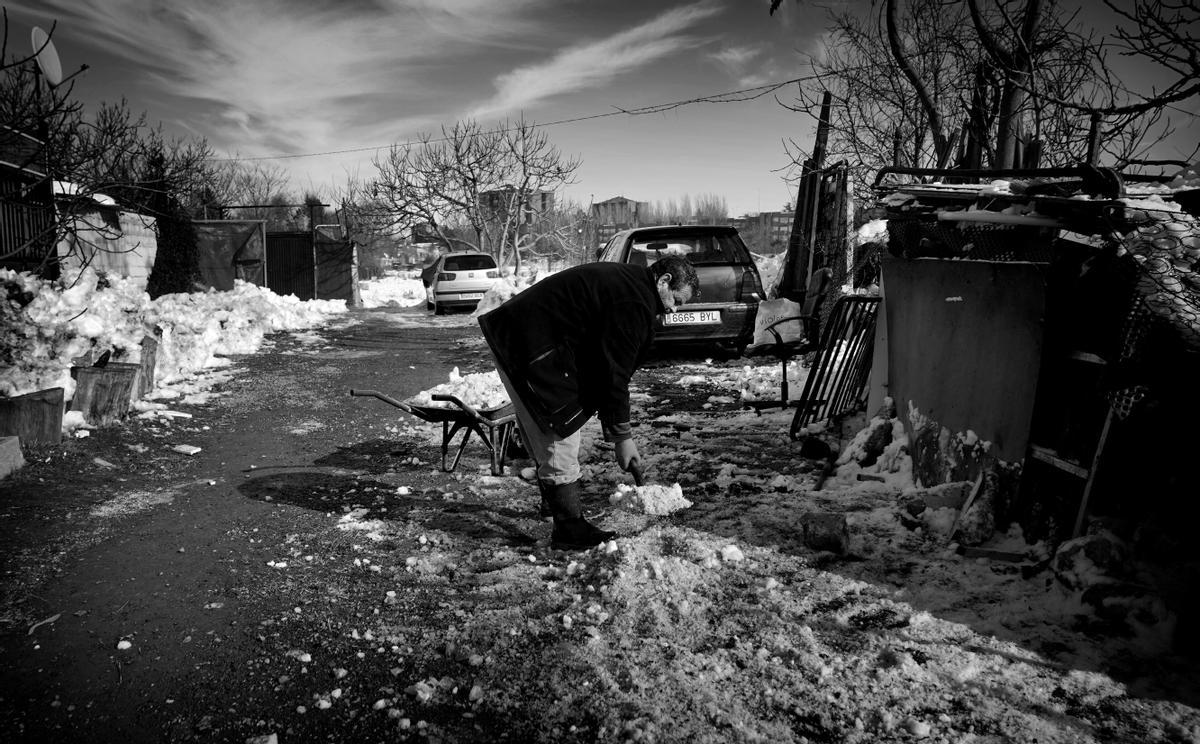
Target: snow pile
200 325
391 290
481 390
654 500
871 232
506 288
46 326
881 449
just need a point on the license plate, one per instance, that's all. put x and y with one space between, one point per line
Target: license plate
471 295
692 317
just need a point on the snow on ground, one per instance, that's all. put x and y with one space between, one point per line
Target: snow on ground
393 289
716 622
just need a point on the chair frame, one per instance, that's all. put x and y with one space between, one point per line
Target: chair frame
810 319
839 374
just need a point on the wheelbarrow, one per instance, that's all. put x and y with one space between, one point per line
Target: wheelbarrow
494 426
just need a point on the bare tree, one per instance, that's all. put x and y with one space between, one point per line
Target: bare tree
112 154
706 208
557 236
990 83
253 190
480 178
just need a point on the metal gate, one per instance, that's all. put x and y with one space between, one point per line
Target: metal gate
312 265
291 266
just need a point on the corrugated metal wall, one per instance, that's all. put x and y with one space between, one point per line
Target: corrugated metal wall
964 345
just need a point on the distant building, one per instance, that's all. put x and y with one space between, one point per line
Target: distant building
423 232
495 203
771 229
613 215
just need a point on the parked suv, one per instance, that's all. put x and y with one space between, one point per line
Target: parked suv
730 287
458 280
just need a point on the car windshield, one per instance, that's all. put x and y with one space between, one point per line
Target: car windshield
468 263
699 249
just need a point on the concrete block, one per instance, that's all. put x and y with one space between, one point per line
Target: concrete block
10 456
34 418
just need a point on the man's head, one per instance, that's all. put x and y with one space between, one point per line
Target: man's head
676 281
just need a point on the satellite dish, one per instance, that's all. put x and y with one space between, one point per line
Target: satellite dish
46 56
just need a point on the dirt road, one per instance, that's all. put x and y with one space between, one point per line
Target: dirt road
311 575
116 537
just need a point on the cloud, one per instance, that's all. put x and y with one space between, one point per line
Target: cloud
286 76
735 59
594 64
494 22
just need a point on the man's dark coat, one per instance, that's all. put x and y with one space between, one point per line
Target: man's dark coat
571 342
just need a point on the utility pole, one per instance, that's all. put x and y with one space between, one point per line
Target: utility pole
798 264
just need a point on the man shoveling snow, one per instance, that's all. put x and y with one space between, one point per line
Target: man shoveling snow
565 349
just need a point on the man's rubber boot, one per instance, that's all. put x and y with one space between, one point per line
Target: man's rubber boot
545 511
571 531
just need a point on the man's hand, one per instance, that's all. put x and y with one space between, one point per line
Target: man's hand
627 454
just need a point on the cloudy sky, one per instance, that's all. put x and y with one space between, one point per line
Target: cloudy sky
335 82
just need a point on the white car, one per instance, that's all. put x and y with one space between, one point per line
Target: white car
459 280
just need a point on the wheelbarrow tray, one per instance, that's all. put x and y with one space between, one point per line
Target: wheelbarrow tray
493 425
438 414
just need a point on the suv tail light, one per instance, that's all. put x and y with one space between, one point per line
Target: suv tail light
751 287
445 276
493 274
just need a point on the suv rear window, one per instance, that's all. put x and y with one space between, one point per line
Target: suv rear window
700 249
468 263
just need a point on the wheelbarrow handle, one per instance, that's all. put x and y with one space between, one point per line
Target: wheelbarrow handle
455 400
385 398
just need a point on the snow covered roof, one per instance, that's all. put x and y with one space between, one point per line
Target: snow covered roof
67 188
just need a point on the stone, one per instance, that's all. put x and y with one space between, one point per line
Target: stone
1092 559
977 523
10 456
825 531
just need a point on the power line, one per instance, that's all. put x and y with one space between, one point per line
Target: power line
734 96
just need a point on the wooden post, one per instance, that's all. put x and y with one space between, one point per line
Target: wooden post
1033 154
1091 475
103 393
822 140
34 417
149 364
1093 151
